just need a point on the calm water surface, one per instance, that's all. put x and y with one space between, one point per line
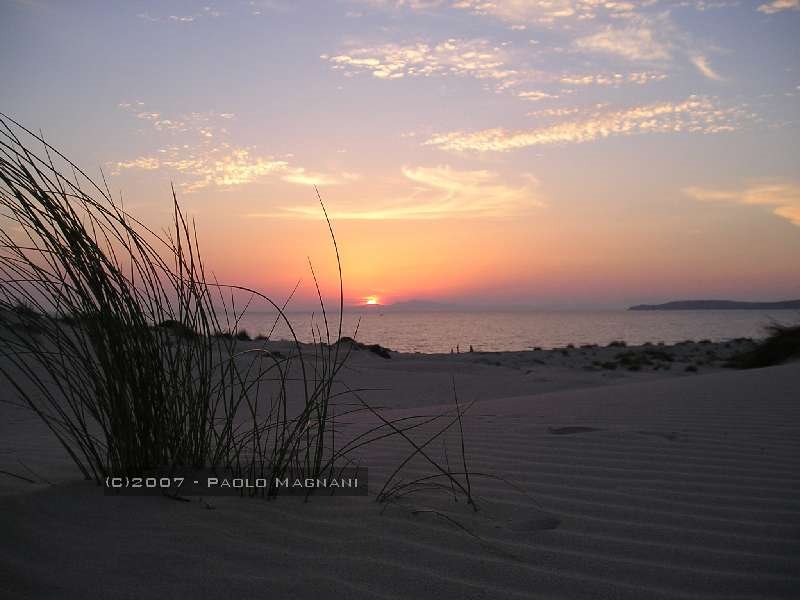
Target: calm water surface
432 332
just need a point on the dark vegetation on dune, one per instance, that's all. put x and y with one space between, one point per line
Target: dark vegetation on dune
130 352
374 348
781 345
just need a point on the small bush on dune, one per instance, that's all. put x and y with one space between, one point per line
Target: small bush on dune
374 348
781 345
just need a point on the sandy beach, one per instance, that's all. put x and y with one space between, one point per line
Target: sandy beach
607 483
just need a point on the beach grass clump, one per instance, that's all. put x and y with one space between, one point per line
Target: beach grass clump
138 364
127 369
781 345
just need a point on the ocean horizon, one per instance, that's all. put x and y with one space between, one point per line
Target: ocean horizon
496 330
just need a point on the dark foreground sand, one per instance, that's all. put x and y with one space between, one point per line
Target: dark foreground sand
628 484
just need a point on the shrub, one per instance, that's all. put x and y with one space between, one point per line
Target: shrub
633 361
781 345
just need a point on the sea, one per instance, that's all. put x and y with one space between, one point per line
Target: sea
514 330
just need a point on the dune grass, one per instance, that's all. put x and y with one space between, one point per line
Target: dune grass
132 355
127 369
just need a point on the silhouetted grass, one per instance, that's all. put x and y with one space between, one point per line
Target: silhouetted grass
127 370
138 363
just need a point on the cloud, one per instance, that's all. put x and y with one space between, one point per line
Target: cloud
775 6
697 114
207 159
226 166
415 5
199 168
613 79
302 176
784 198
144 163
475 58
442 192
536 96
519 13
258 7
204 124
208 12
703 5
637 42
701 62
548 11
554 112
649 38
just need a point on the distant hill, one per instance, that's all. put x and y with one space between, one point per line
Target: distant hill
719 305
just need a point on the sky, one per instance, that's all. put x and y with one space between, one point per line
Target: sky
543 153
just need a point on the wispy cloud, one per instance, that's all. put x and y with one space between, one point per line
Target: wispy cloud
613 79
548 11
207 12
520 13
779 5
416 5
554 112
638 41
697 114
197 168
206 158
441 192
605 32
537 95
474 58
648 39
302 176
204 124
259 7
701 62
784 198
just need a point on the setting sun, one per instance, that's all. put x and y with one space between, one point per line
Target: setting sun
372 300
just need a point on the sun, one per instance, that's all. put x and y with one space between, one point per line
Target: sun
371 300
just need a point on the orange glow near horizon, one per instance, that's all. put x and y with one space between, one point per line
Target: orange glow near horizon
564 255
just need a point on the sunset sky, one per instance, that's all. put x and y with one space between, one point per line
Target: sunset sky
525 152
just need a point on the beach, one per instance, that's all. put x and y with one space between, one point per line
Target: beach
589 482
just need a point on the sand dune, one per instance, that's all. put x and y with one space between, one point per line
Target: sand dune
678 487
